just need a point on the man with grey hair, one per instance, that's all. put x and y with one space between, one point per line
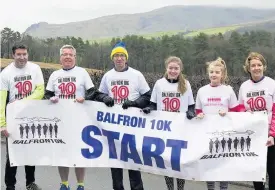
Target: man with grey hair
71 83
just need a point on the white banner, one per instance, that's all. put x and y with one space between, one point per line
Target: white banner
230 148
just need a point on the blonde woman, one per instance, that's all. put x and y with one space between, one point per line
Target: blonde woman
216 97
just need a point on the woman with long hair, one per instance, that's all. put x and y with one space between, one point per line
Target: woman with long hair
180 99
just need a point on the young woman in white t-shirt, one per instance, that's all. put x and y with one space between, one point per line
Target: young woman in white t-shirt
216 97
258 94
173 93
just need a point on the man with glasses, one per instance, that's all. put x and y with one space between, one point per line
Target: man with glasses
127 87
19 80
70 83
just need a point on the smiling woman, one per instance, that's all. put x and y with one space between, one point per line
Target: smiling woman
258 94
255 65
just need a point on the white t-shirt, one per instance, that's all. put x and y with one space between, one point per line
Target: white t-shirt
258 96
21 82
122 86
167 97
70 84
212 99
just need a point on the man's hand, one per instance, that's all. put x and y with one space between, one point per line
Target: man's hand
5 132
146 110
128 104
190 114
108 101
270 141
80 100
54 99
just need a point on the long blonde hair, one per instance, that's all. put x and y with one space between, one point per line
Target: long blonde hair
219 62
182 86
251 56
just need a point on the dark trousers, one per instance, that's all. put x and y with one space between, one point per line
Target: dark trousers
270 171
10 173
134 176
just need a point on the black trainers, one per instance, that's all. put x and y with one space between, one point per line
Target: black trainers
33 186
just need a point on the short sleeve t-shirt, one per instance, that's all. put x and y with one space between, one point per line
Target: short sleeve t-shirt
258 96
212 99
122 86
70 84
21 82
167 97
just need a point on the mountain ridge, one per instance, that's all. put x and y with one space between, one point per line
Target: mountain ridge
176 17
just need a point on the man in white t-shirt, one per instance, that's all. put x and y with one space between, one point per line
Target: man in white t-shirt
71 83
21 79
127 87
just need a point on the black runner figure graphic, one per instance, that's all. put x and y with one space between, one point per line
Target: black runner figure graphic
211 146
223 141
248 141
45 128
21 128
55 130
217 143
229 142
39 130
27 128
236 142
33 130
51 130
242 143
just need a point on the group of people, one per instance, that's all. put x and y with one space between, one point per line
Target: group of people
126 86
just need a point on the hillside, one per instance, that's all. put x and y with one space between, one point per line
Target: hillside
268 26
171 18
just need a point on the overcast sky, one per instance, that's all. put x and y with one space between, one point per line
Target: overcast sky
19 15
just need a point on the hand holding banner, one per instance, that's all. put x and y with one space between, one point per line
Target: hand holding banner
215 148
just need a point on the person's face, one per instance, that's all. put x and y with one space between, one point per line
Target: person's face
119 60
256 69
20 57
173 70
67 58
215 75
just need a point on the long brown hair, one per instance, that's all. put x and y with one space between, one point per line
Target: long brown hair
219 62
182 86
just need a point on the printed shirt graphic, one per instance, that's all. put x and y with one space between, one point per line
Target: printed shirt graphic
258 96
70 84
212 99
122 86
167 97
21 82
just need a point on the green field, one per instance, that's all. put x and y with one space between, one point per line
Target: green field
211 31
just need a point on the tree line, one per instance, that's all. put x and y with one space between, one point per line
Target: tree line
148 55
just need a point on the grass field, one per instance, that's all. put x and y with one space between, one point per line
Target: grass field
208 31
211 31
5 62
